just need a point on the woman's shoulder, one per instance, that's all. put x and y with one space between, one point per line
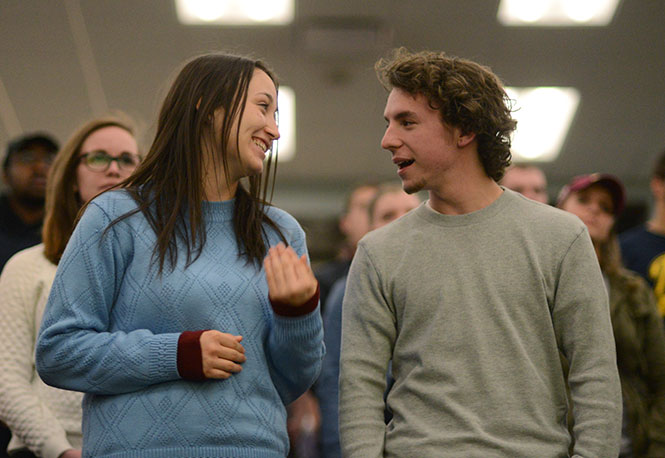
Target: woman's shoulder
28 265
32 258
115 202
283 219
108 207
635 290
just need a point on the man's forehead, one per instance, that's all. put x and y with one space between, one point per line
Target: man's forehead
401 102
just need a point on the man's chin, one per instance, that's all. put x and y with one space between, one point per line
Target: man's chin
32 200
412 188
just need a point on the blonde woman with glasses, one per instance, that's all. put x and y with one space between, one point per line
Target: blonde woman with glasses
46 421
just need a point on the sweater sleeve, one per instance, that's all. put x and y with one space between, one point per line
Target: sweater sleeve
368 336
76 348
21 408
295 346
583 327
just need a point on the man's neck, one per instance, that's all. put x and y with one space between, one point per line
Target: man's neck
465 196
30 213
657 222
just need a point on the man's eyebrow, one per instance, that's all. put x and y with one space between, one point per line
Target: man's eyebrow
401 115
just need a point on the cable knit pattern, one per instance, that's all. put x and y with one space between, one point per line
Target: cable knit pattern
112 325
47 420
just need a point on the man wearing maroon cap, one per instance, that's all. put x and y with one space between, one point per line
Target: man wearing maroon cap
643 248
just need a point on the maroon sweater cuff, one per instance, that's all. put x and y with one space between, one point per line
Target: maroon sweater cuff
284 309
190 361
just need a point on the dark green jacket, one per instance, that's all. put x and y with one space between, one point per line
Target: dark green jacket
640 345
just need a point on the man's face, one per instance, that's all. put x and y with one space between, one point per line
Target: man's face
26 174
423 147
530 182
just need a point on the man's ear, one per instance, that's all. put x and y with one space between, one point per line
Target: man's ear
464 139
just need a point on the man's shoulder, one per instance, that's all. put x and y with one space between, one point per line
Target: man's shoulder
633 235
397 229
542 218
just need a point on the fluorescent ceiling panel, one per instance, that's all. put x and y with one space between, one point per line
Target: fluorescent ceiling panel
235 12
556 12
286 103
543 115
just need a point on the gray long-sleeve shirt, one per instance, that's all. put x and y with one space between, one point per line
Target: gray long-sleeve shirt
473 310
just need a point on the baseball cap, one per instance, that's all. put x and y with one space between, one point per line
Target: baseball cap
610 182
23 142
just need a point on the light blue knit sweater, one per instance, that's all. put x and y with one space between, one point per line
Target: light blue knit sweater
111 330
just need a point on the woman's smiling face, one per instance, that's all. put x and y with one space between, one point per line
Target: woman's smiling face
258 128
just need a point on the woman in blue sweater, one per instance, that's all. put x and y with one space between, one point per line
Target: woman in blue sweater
184 306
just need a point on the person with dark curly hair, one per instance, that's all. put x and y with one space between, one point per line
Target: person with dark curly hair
473 295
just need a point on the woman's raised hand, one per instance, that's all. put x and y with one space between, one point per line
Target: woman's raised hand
290 279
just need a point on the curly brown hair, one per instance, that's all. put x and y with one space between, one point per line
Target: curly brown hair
468 96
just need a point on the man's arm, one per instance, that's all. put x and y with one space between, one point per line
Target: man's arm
584 331
368 335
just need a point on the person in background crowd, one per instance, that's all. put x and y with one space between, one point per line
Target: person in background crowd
643 247
184 305
528 180
598 199
304 417
389 203
353 224
24 171
45 421
472 295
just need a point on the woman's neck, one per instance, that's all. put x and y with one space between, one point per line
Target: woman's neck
217 188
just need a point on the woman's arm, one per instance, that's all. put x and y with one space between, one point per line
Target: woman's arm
295 343
76 348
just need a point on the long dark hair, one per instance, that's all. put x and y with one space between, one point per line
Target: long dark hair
168 186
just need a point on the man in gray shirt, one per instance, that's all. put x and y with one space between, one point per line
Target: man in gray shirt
474 295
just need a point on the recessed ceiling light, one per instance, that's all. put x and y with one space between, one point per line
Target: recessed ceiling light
556 12
543 115
235 12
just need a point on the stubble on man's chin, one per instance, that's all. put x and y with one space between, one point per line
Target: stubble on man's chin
30 200
412 188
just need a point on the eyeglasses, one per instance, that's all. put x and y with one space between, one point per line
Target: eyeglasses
100 161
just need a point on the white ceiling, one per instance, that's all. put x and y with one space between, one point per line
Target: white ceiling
63 61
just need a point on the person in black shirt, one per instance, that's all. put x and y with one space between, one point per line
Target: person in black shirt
24 171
